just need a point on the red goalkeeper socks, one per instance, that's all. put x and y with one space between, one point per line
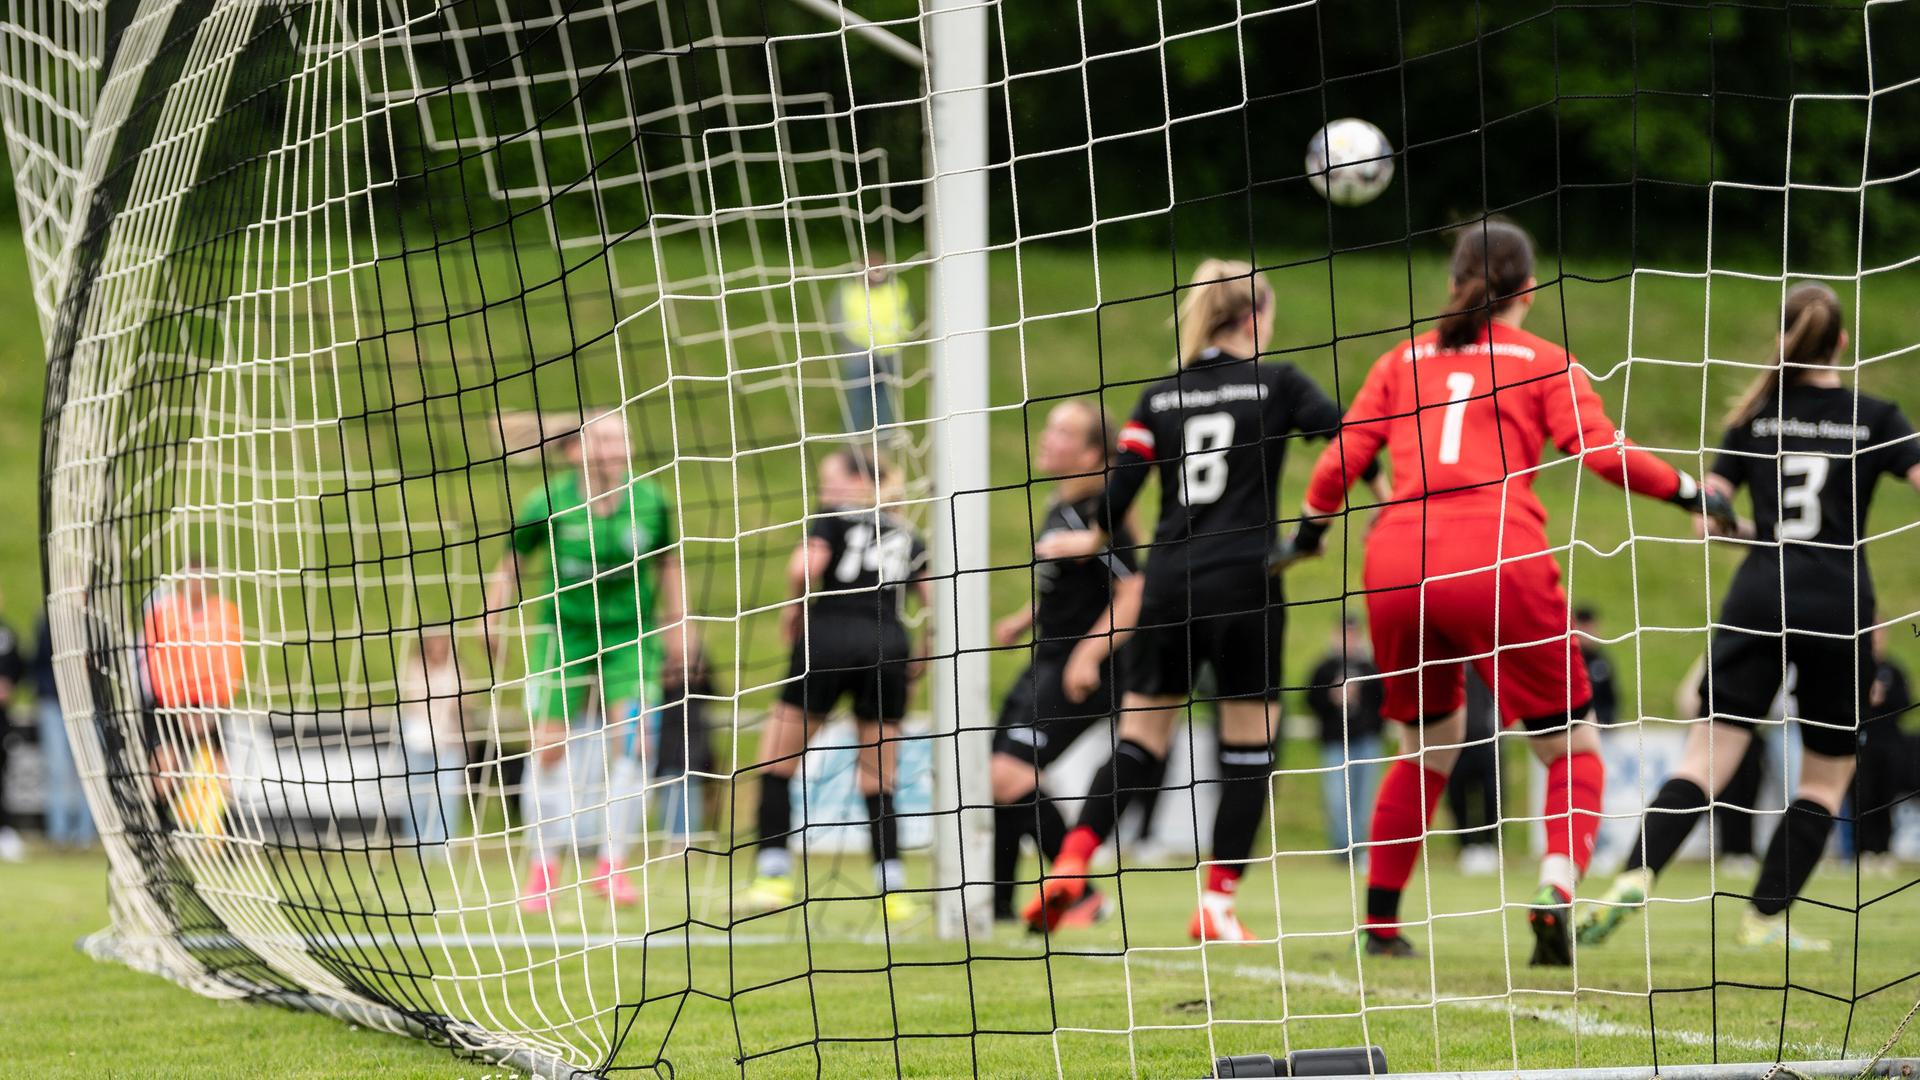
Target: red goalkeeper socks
1408 796
1575 785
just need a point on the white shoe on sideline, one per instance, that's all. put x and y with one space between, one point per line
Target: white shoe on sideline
1879 865
1479 860
12 848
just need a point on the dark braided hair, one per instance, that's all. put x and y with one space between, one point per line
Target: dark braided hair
1492 262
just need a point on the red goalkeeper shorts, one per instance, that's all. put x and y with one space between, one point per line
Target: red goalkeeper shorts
1437 601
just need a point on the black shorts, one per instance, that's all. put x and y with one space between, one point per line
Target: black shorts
1231 620
1834 677
838 658
1038 723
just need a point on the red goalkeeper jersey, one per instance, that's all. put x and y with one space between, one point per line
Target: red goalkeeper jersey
1465 429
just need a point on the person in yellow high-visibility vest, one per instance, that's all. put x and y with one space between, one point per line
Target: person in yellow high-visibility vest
873 314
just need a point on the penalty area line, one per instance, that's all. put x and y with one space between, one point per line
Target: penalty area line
1569 1018
658 939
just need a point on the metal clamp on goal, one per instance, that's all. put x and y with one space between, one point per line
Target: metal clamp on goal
1336 1061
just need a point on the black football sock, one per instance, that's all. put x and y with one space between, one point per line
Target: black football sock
1383 909
1131 768
1049 828
1792 854
776 809
1011 821
776 821
883 829
1246 775
1683 804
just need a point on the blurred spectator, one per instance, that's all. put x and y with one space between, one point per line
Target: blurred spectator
1599 667
69 822
195 654
1345 697
1889 758
194 646
434 737
873 317
1473 795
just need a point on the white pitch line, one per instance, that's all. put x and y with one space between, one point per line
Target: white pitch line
659 939
1569 1018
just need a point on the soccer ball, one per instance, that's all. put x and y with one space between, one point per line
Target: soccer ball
1350 162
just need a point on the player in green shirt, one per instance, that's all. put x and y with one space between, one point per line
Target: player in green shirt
611 620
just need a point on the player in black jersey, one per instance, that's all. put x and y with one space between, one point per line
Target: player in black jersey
854 568
1216 433
1809 449
1083 610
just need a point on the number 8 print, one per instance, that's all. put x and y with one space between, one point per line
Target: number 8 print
1204 468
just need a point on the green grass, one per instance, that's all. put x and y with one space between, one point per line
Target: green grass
1132 991
414 494
22 386
413 490
69 1016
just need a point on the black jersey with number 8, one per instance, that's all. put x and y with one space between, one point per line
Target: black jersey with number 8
1810 459
1217 432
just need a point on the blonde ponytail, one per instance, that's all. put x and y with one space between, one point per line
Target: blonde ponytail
1810 335
1223 292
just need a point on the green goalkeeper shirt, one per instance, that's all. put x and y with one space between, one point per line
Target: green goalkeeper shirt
601 575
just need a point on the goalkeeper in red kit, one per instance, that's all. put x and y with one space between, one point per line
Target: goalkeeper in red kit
1458 569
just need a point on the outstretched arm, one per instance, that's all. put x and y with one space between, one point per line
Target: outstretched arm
1011 628
1717 487
806 566
1125 477
673 612
1086 667
1350 455
1578 423
1351 449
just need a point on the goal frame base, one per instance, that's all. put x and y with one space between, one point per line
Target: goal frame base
1758 1070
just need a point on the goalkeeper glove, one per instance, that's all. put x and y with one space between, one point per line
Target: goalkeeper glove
1305 541
1695 497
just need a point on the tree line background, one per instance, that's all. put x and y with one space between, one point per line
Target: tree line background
1601 125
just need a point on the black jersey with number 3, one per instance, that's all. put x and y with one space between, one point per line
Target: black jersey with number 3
1810 460
1217 432
870 557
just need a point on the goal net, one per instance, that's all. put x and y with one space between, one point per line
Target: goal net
383 334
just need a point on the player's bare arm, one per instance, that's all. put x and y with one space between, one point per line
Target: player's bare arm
1086 667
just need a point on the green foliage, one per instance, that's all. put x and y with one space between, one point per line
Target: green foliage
1600 125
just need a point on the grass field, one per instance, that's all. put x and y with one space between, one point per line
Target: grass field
1130 993
1086 1008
